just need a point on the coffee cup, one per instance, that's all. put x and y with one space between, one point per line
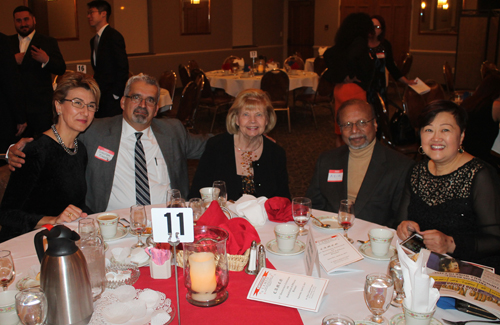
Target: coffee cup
380 240
207 193
8 313
108 222
286 234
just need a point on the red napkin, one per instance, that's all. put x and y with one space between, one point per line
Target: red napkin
279 209
226 66
295 66
241 232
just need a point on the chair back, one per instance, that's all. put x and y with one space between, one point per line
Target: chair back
293 62
184 75
325 87
488 68
407 62
382 120
206 91
448 78
230 60
188 103
415 103
192 64
276 83
319 65
168 81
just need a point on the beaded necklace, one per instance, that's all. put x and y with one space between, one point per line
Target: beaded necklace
71 152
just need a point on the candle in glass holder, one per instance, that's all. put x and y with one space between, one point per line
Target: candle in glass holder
202 273
260 68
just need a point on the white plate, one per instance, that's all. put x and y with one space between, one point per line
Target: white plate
272 247
366 251
120 233
329 220
399 319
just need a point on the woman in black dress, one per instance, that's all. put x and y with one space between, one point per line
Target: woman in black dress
50 188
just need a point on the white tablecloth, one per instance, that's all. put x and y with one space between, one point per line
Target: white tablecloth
309 65
165 101
233 85
345 291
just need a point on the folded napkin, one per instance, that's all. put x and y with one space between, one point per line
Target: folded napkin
226 66
241 62
252 208
295 66
272 65
321 50
279 209
241 232
421 297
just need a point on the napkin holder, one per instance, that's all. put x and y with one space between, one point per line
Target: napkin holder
160 271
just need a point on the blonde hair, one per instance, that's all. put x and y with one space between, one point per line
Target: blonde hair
250 99
71 80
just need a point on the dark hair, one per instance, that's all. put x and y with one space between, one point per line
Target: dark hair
101 5
485 94
439 106
355 25
381 20
21 9
354 102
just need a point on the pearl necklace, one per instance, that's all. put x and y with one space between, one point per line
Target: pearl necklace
61 142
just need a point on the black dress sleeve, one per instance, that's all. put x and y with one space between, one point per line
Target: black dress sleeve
486 204
389 61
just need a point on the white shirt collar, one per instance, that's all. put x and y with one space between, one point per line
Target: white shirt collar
29 37
129 131
99 32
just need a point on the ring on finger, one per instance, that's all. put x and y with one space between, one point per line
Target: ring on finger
70 215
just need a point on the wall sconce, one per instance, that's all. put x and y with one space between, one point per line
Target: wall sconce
423 5
445 6
442 3
195 2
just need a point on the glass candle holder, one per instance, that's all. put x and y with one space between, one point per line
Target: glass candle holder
205 267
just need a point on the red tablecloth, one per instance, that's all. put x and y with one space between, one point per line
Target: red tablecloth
237 309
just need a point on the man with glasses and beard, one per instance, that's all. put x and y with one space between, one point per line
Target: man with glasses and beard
363 170
38 57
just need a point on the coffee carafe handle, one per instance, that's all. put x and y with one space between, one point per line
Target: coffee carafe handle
39 247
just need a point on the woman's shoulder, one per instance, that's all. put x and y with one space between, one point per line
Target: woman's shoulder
220 139
273 145
42 144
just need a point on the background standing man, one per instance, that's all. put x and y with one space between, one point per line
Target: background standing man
38 57
108 57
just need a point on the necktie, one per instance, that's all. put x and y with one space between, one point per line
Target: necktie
141 173
96 45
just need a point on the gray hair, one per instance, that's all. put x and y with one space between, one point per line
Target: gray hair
145 78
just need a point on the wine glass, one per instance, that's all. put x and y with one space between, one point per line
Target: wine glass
172 194
394 270
337 319
379 289
301 212
222 198
197 205
86 228
177 203
346 216
31 306
138 222
7 270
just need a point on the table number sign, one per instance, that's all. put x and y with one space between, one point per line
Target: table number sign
172 221
81 68
253 54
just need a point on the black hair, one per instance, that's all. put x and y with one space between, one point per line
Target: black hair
355 25
101 5
21 9
439 106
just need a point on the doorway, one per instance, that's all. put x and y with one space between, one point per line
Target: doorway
301 28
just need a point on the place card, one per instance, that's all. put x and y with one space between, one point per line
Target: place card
288 289
336 251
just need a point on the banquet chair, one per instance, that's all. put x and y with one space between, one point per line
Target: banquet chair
276 83
168 81
188 104
230 59
448 78
211 99
396 84
184 75
192 64
293 62
319 65
322 95
488 68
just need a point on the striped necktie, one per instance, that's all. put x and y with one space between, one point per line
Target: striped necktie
141 173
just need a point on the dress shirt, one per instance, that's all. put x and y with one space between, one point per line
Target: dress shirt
99 32
123 190
24 43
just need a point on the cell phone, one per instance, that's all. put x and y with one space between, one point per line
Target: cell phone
414 243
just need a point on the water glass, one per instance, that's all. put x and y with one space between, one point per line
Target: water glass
337 319
394 270
86 228
31 306
379 289
172 194
222 195
301 212
7 270
93 250
197 205
346 216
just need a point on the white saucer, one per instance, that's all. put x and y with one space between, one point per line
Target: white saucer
272 247
120 233
328 220
366 251
399 319
365 322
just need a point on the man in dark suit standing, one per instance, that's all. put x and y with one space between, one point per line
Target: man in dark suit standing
38 57
108 57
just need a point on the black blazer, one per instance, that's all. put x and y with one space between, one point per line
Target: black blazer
111 71
219 163
380 193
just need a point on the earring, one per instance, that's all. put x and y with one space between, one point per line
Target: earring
461 149
421 151
58 113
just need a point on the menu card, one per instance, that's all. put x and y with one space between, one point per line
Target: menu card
336 251
288 289
421 88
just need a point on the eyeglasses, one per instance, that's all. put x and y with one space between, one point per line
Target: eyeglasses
377 26
360 124
150 101
78 103
90 12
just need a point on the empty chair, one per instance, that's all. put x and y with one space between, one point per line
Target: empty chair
448 78
487 68
188 105
293 62
319 65
167 81
192 64
323 95
184 75
405 69
276 83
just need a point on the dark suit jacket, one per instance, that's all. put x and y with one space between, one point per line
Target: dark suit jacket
111 71
176 145
37 81
219 163
380 193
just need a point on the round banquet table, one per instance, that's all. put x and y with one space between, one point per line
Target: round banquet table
234 84
344 293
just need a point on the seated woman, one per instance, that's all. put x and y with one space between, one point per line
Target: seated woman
51 186
452 199
246 160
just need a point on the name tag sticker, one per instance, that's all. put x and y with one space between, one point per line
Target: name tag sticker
104 154
335 175
381 55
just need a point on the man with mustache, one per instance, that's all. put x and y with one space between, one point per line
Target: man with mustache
363 170
113 143
38 57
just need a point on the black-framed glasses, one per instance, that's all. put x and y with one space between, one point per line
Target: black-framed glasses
79 103
135 98
360 124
